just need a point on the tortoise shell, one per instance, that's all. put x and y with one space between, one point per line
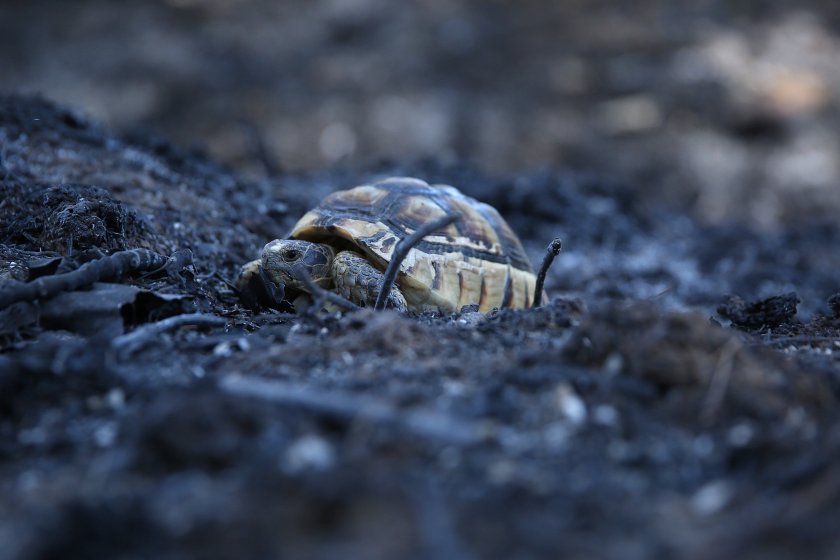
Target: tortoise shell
476 260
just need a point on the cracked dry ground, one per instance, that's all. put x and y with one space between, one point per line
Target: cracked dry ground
642 413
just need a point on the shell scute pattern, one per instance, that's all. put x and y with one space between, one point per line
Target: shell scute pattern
477 259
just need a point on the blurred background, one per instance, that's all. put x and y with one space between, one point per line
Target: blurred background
726 108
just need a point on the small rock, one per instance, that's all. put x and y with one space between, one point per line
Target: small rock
309 453
606 415
711 498
105 435
740 435
569 404
634 113
229 347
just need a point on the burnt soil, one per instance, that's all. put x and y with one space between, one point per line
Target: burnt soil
676 398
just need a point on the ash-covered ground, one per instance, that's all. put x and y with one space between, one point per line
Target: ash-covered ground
676 398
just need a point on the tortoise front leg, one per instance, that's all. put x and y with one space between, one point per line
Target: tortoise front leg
359 281
256 289
247 272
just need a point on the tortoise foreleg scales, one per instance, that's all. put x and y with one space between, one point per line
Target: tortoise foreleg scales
357 280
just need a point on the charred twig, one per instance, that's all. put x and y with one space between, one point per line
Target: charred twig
345 406
128 343
720 380
223 280
262 153
106 268
583 380
320 294
553 250
401 251
795 340
178 261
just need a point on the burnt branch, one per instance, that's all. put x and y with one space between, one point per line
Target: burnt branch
126 344
319 294
346 406
552 251
401 251
106 268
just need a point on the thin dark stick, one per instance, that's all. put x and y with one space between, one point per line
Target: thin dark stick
139 337
106 268
429 424
177 261
401 251
320 294
552 251
263 154
796 340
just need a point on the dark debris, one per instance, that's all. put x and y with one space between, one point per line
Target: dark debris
770 313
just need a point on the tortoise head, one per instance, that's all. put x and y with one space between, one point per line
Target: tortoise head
281 259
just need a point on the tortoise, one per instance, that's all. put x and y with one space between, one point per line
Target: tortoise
346 242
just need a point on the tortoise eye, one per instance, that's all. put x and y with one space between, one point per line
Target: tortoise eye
291 255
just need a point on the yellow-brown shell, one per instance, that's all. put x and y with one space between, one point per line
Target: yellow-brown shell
476 260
